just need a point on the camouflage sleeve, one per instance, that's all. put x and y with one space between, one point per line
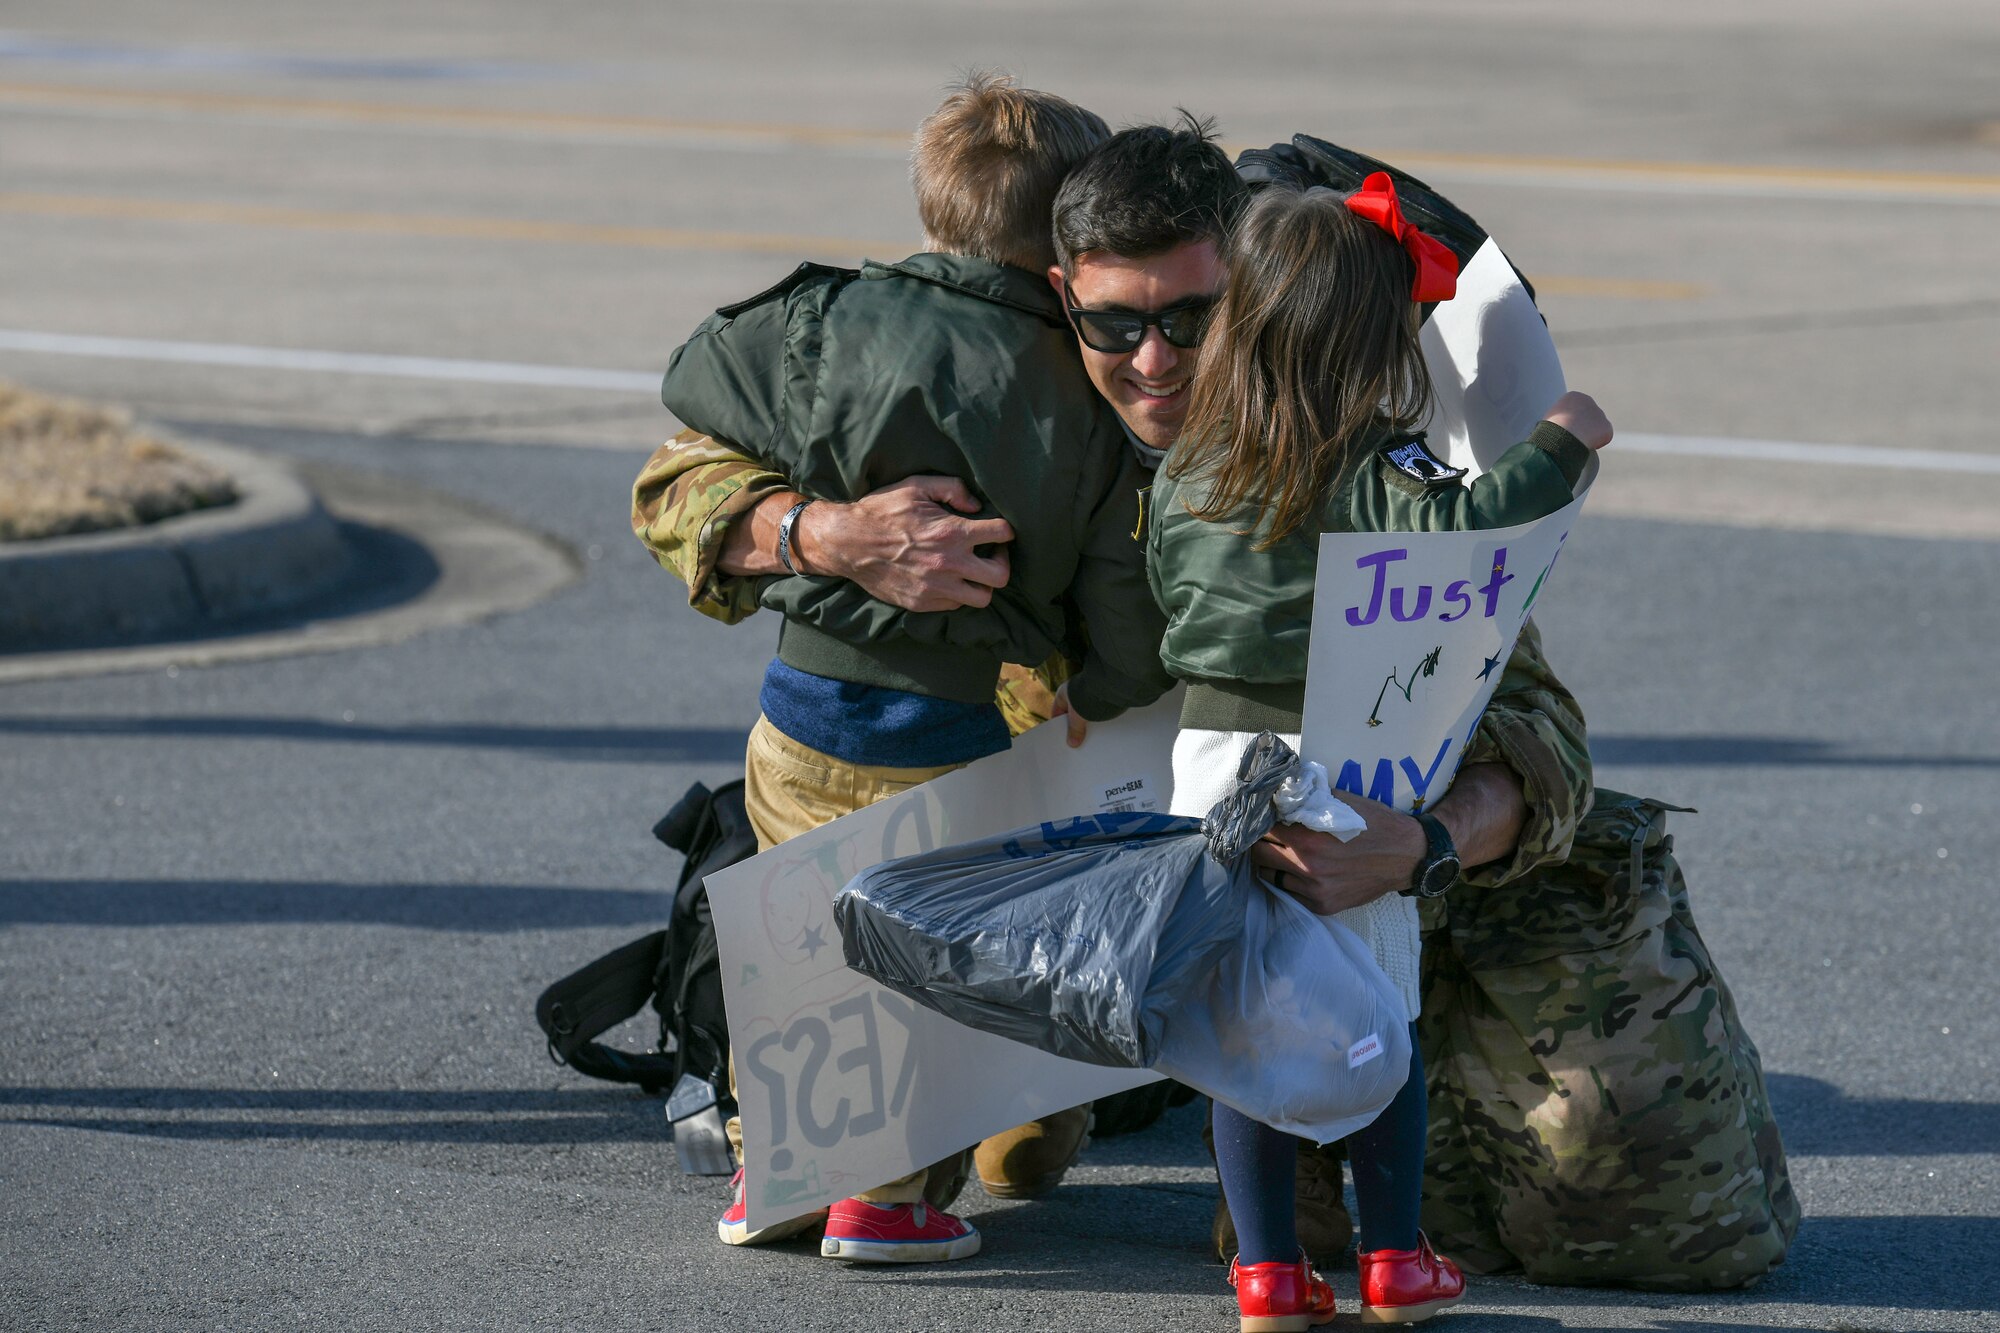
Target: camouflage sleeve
687 495
1027 695
1535 728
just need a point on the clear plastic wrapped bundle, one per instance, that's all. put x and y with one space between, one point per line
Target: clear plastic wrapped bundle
1145 941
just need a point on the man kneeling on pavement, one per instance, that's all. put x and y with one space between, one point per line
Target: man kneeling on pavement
845 532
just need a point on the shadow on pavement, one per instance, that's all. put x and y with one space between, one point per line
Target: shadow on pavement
617 743
524 1116
471 907
574 1129
1781 751
719 744
1819 1120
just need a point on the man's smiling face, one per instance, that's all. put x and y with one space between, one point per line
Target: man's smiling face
1148 385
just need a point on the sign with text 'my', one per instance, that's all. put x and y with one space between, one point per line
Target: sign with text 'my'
1410 635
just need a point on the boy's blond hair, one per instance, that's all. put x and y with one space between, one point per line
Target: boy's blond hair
987 166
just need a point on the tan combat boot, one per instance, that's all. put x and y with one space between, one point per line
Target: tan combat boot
1030 1160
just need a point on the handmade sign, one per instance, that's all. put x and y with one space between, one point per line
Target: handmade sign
844 1085
1410 634
1494 368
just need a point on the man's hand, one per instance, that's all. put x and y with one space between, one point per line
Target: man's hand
1329 875
1484 812
1579 414
908 544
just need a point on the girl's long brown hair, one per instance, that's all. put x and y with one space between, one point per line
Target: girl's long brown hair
1313 341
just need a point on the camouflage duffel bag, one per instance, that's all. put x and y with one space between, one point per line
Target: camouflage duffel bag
1597 1112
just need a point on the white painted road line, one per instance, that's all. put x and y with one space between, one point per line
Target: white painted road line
1819 455
339 363
648 383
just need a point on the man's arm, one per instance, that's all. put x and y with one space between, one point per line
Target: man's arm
1524 784
689 498
710 515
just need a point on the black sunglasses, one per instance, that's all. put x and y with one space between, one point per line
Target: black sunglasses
1181 323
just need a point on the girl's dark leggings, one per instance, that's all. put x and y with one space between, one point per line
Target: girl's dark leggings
1387 1158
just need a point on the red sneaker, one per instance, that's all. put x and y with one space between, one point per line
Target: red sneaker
734 1225
1280 1298
897 1233
1407 1286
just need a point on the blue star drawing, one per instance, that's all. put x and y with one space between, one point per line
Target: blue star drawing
1492 664
814 942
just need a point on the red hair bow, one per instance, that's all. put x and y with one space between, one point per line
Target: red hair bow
1437 266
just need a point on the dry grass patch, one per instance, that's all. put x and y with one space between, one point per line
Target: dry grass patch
68 467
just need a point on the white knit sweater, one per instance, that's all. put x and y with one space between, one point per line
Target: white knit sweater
1205 765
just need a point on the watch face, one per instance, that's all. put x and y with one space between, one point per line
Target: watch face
1439 875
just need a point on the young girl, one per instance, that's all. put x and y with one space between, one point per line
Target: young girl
1310 387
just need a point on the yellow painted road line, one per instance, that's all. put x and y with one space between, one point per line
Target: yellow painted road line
453 227
377 113
581 233
1599 172
590 233
1711 173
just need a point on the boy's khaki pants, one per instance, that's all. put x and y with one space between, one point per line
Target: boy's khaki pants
789 789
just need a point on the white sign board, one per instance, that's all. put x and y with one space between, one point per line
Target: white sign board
1411 632
843 1084
1494 368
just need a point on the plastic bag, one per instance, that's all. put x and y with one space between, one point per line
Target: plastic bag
1147 941
1306 798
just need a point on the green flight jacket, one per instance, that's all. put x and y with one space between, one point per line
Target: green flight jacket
847 381
1239 619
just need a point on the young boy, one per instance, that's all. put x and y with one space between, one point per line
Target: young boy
957 361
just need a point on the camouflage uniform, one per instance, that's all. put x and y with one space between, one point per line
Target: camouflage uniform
686 497
1597 1114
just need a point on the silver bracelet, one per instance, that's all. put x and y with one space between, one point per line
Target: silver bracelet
785 526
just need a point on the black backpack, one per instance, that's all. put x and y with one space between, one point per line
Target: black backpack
678 972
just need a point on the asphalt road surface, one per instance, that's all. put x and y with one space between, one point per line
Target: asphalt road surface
270 931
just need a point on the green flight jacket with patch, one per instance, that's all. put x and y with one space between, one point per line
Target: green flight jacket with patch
1240 619
846 381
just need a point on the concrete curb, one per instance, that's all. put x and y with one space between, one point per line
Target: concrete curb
482 564
275 547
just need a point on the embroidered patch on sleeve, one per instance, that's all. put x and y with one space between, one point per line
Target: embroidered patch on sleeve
1413 458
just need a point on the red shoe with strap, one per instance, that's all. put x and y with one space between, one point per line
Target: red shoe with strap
1407 1286
1280 1298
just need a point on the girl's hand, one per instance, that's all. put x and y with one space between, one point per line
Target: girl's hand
1078 728
1579 414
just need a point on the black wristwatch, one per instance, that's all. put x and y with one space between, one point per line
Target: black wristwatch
1438 870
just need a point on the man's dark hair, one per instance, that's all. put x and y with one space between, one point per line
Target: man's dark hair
1147 190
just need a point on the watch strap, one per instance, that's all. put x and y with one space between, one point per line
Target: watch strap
1438 847
785 527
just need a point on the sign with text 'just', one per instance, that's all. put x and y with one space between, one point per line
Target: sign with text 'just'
1411 632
